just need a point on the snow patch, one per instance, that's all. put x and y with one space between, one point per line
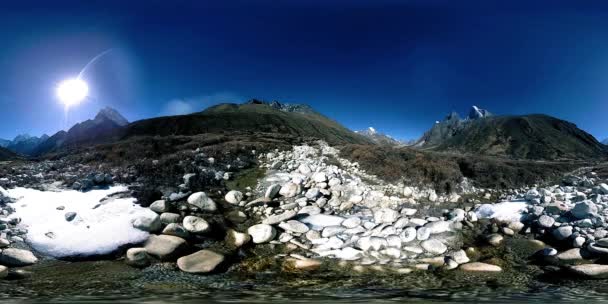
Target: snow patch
99 227
505 211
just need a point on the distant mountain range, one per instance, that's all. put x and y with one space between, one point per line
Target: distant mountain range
381 138
605 141
534 136
538 137
23 144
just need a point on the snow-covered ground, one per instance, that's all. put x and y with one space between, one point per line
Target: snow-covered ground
504 211
98 228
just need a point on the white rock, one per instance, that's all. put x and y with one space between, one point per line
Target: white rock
434 246
234 197
294 226
195 224
262 233
386 215
159 206
202 201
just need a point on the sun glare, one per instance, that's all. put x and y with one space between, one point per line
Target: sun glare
72 91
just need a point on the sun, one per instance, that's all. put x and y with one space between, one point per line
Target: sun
72 91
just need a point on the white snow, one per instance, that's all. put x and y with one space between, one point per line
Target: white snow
510 211
94 231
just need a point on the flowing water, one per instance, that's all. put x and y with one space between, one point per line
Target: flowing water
112 281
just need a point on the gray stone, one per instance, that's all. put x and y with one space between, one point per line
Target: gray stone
165 247
176 229
202 201
294 226
236 239
584 209
17 257
275 219
593 271
201 262
408 234
160 206
546 221
70 216
148 223
168 218
438 227
290 190
434 246
562 232
320 221
460 257
137 257
423 233
385 215
234 197
332 231
272 191
262 233
480 267
352 222
196 225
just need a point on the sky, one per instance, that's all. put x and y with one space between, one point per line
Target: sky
397 66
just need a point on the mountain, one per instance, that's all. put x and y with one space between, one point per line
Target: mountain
605 141
23 144
103 128
252 117
537 136
379 138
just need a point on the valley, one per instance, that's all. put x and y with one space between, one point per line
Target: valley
239 191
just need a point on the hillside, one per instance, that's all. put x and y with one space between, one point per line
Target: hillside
538 137
6 154
250 117
105 127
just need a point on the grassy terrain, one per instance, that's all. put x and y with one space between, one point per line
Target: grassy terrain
445 171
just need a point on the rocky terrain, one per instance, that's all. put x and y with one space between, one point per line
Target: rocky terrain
197 199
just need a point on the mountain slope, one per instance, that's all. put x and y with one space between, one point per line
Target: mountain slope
605 141
105 127
252 117
379 138
6 154
537 136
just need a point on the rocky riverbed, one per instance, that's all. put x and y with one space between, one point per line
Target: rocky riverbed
312 213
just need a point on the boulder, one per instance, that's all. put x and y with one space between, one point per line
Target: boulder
195 224
3 272
262 233
562 232
234 197
202 201
70 216
148 223
584 209
272 191
14 257
235 239
275 219
385 216
294 226
165 247
137 257
592 271
320 221
201 262
546 221
176 229
290 190
434 247
160 206
168 218
480 267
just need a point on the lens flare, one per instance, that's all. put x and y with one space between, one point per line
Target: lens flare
72 91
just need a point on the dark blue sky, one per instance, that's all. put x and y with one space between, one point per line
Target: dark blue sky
395 65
